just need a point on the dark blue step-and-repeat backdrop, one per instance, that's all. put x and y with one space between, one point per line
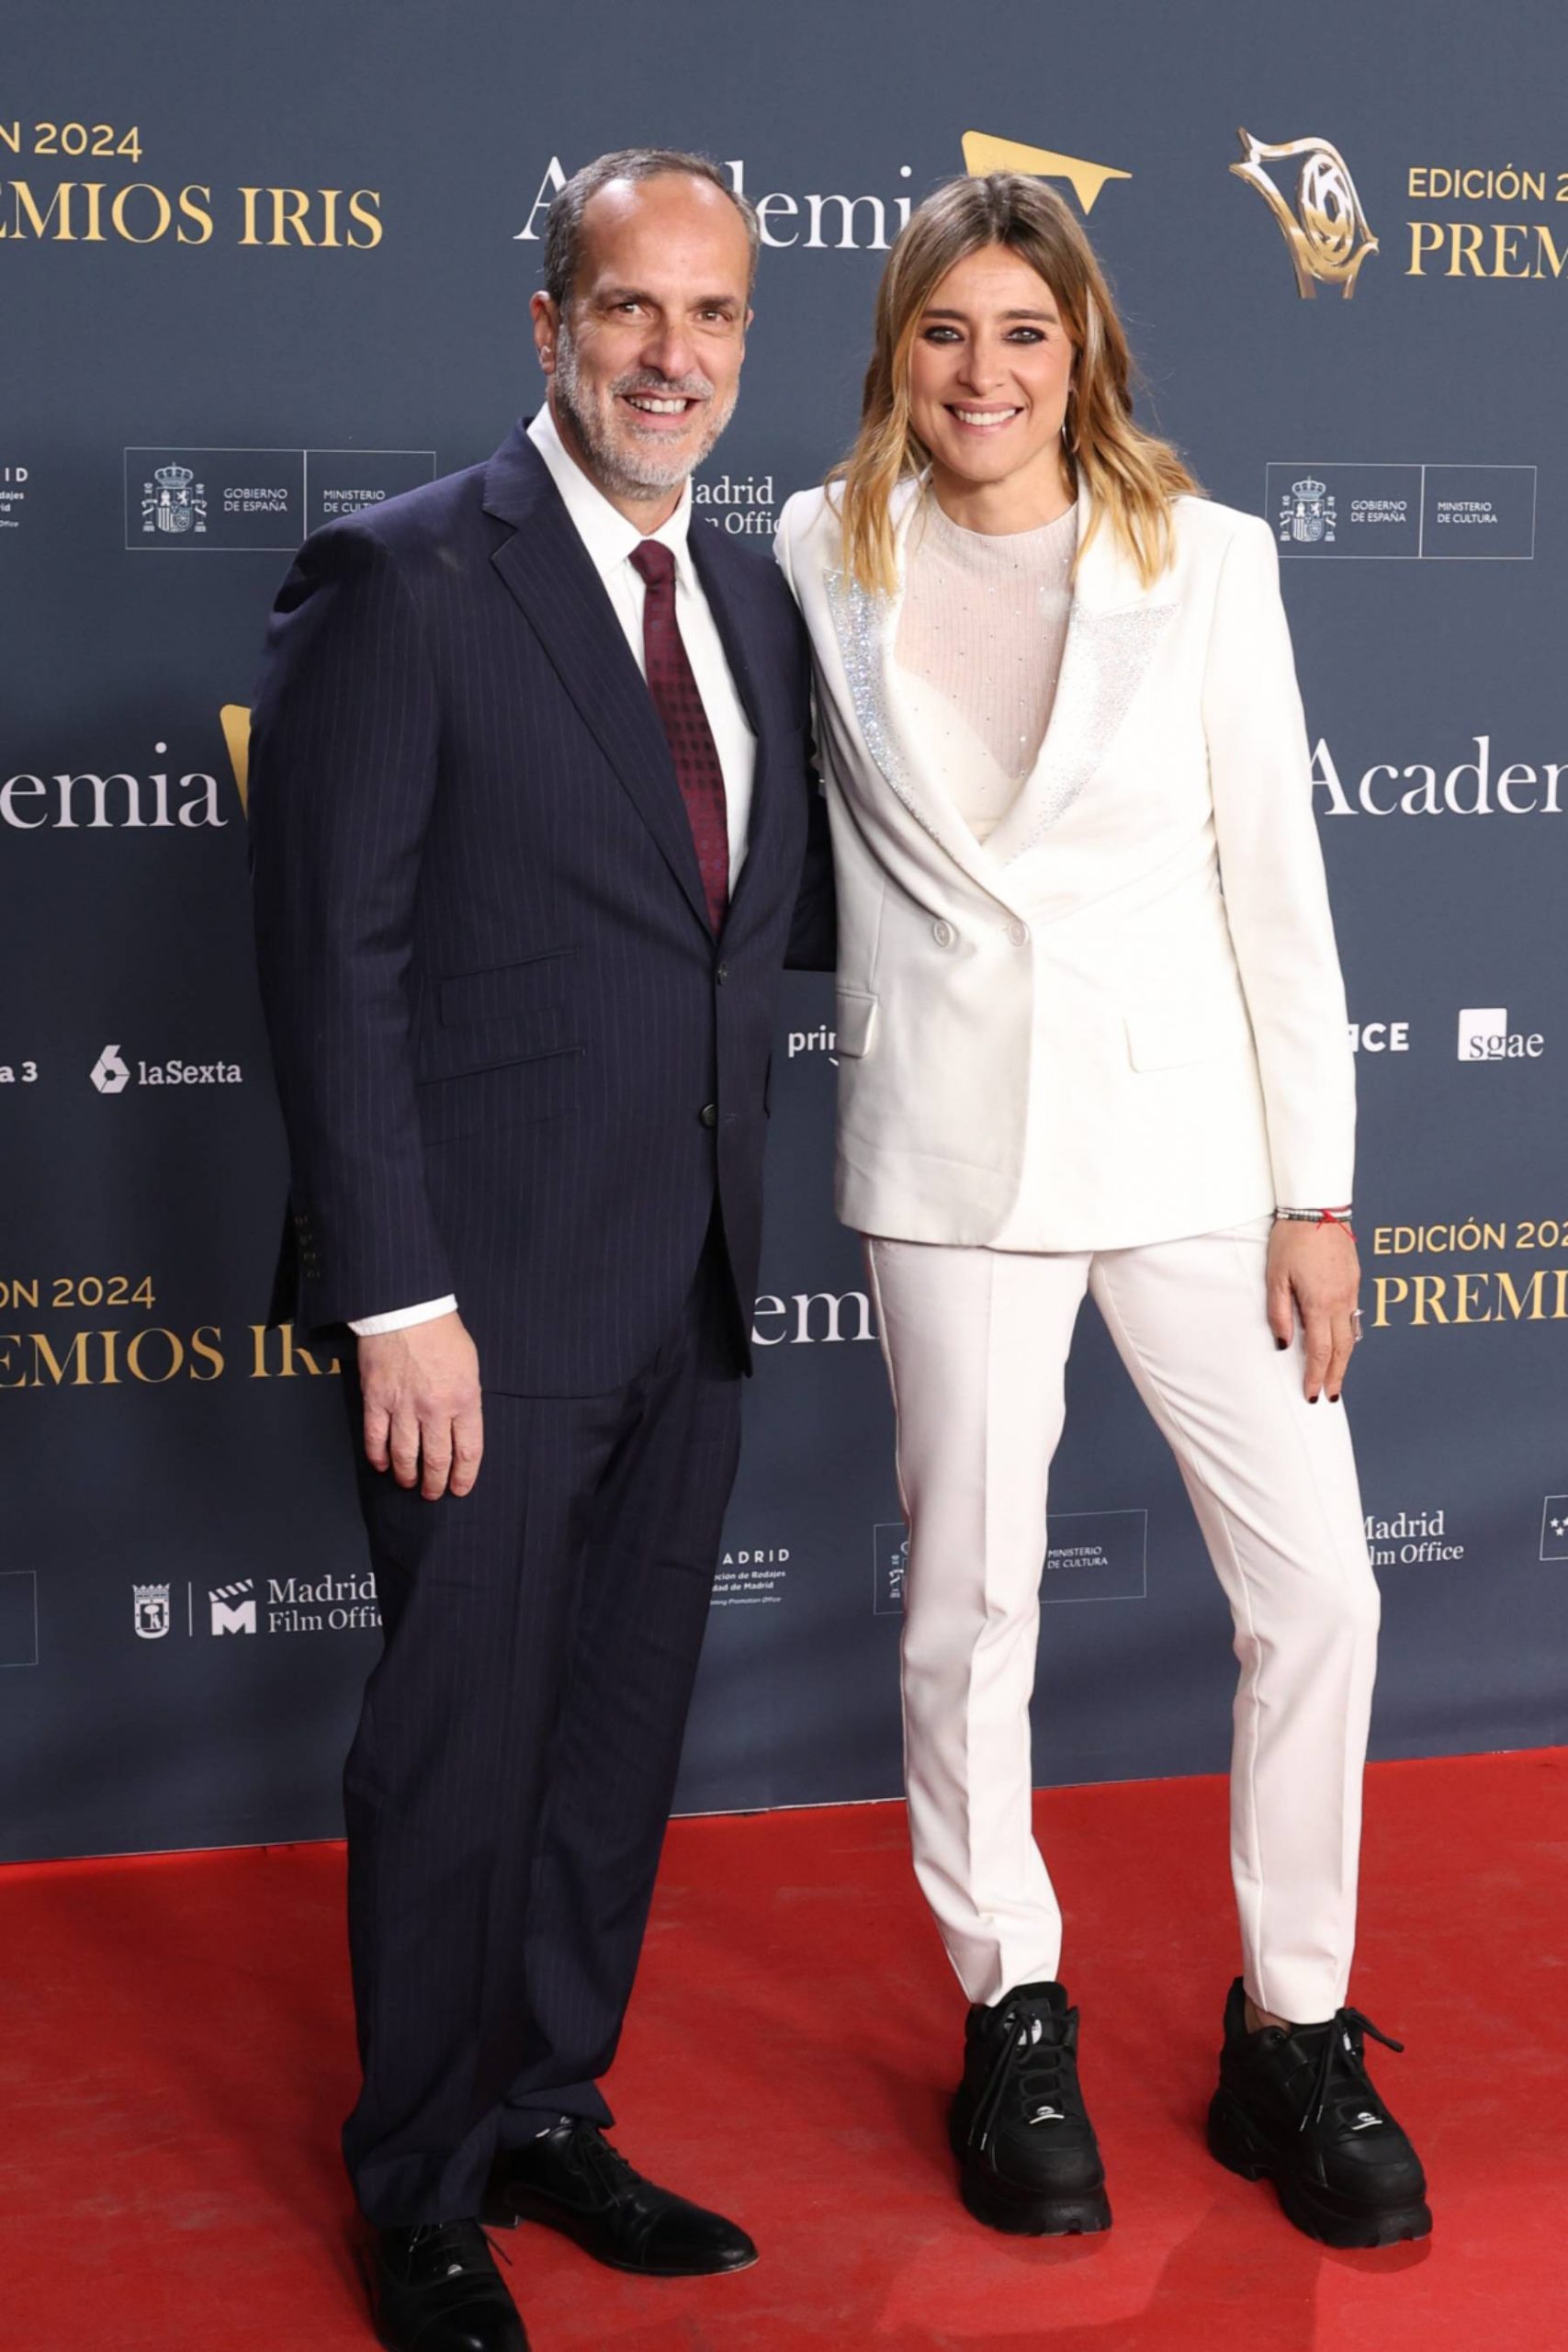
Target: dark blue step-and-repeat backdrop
264 267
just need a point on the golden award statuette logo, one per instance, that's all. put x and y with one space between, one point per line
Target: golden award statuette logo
982 154
1327 233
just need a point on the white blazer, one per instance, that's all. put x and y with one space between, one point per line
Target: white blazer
1121 1019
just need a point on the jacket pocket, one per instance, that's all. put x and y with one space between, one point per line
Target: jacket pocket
855 1024
497 1099
535 984
514 1013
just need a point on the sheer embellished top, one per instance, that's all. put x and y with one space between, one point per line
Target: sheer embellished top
978 650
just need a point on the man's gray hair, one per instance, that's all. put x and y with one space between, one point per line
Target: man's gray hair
563 223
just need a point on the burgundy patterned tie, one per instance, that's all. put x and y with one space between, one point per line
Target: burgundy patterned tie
679 705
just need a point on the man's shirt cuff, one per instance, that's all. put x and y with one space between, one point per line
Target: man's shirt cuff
403 1318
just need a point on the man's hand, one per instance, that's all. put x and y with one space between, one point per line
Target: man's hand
422 1414
1314 1272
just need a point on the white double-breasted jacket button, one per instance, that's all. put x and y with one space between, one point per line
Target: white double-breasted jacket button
1018 934
943 933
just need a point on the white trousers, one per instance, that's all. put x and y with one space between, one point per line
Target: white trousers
976 1345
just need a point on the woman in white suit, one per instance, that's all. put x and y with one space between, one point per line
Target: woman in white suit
1091 1036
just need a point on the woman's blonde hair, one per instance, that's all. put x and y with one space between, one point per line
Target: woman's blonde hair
1130 474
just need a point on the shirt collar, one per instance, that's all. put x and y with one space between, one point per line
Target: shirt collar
605 531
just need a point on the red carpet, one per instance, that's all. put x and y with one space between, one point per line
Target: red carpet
178 2052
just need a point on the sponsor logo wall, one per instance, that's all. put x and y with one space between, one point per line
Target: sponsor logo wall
252 311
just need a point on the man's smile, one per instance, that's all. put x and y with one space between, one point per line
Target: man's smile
663 409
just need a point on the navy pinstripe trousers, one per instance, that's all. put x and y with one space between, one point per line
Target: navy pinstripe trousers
509 1785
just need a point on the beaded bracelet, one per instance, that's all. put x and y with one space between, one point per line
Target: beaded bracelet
1317 1217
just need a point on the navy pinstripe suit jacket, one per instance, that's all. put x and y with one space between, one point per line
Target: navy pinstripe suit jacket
514 1061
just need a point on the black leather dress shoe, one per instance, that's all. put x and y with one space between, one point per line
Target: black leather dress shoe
437 2289
572 2179
1297 2106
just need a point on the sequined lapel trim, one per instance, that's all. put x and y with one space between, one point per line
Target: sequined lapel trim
1103 662
859 621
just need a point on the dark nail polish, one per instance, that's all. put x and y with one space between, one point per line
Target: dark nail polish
1312 1400
1335 1399
1281 1343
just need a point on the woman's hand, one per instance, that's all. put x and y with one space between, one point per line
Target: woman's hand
1314 1272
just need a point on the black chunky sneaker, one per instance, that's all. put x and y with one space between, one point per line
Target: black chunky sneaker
1030 2162
437 2289
1297 2106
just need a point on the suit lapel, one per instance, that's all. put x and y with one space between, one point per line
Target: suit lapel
1113 629
1114 626
866 626
749 652
547 569
731 607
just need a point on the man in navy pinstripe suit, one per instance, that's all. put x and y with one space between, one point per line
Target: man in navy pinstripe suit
535 834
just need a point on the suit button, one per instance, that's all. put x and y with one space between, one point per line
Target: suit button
1018 932
722 974
943 933
708 1114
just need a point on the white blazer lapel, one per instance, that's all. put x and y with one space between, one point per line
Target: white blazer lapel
1114 627
866 626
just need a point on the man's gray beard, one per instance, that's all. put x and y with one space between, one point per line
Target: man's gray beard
622 472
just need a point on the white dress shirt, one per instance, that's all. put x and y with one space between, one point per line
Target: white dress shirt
610 540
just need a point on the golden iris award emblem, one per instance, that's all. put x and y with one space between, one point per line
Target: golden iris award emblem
1327 233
